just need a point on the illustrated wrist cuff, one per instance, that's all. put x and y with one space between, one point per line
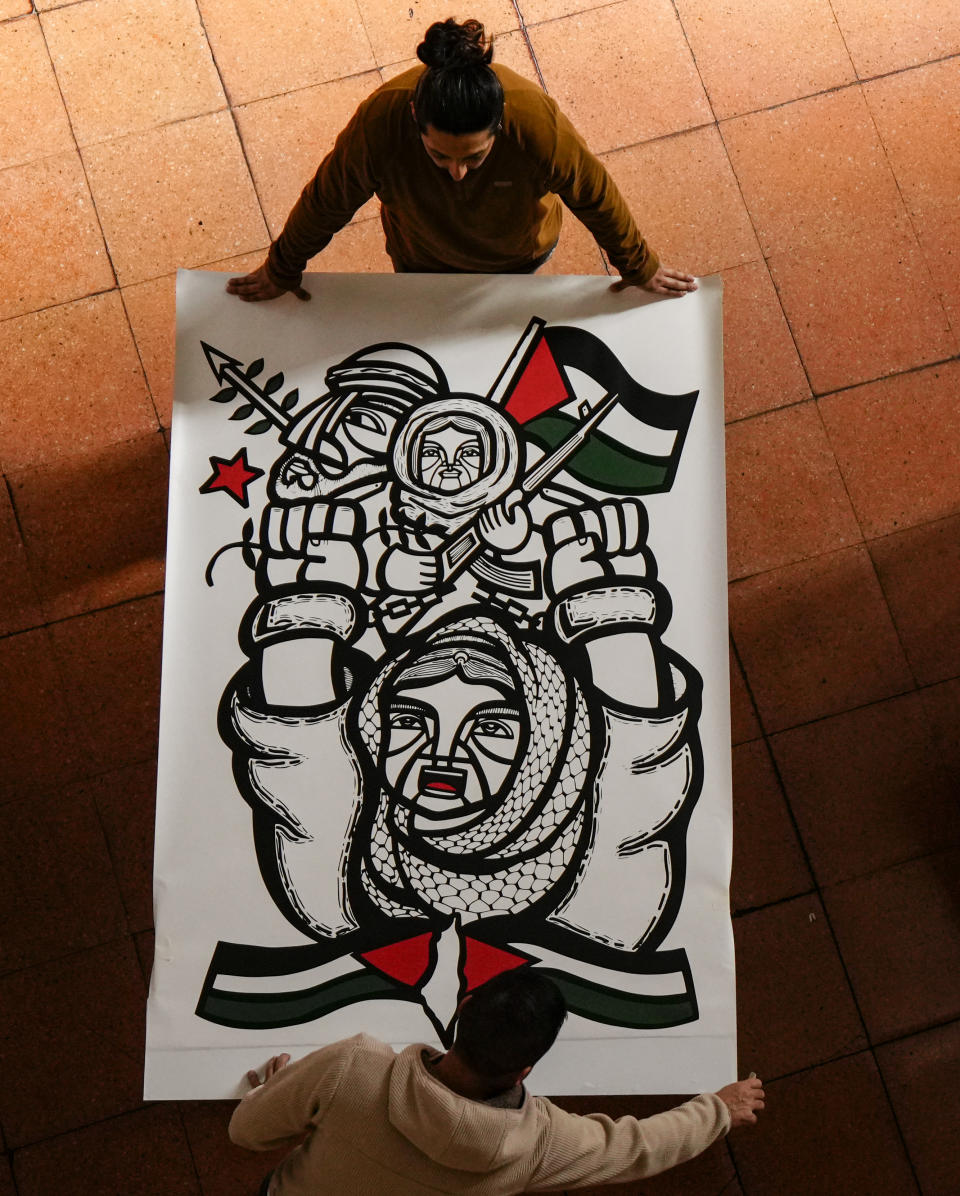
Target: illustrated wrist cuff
603 606
304 614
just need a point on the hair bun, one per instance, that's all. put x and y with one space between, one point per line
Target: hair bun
447 44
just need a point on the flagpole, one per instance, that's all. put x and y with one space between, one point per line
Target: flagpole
505 379
459 551
545 469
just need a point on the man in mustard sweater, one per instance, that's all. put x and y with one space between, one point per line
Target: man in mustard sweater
470 163
423 1122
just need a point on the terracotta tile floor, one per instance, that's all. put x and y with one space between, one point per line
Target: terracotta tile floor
806 149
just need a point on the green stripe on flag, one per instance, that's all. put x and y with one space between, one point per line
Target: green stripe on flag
601 462
617 1008
267 1010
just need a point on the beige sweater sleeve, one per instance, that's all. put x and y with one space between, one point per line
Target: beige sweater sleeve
293 1100
584 1151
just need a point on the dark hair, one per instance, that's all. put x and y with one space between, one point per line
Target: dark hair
510 1022
458 92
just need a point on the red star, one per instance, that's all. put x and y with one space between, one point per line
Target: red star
232 476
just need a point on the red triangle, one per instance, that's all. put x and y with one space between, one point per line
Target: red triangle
405 961
539 388
483 962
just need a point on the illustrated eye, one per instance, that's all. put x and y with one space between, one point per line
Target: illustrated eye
429 452
365 419
494 727
471 450
406 722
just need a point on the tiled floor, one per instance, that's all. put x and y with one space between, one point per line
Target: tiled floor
808 151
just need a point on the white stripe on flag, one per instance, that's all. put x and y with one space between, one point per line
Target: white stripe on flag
289 981
619 425
653 984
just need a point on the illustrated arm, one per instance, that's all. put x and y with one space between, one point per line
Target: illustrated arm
343 184
616 615
309 574
596 1149
292 1101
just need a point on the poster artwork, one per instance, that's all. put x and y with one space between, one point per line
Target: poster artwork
465 737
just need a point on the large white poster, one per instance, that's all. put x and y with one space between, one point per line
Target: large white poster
444 676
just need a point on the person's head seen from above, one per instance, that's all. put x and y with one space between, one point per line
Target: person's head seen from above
458 101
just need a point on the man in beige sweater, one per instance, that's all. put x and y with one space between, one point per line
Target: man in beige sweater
419 1122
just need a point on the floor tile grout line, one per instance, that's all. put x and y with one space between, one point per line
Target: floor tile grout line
76 953
873 565
50 623
891 865
82 780
743 199
103 235
143 364
765 257
693 59
818 888
821 718
234 121
843 40
358 7
543 84
378 68
33 1143
578 12
819 891
111 856
896 1039
189 1143
907 211
856 81
79 152
529 44
8 473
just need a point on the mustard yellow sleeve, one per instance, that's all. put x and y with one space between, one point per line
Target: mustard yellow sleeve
343 184
583 183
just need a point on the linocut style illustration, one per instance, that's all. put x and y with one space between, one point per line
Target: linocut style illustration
464 737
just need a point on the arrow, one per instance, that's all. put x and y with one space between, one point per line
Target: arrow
229 372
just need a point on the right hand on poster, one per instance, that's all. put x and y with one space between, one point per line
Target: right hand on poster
666 281
257 286
743 1099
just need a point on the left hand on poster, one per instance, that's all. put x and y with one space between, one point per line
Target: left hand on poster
311 541
271 1069
505 525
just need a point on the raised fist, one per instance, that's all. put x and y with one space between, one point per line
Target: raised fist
620 525
313 542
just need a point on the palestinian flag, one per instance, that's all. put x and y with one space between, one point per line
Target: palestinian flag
553 379
261 988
